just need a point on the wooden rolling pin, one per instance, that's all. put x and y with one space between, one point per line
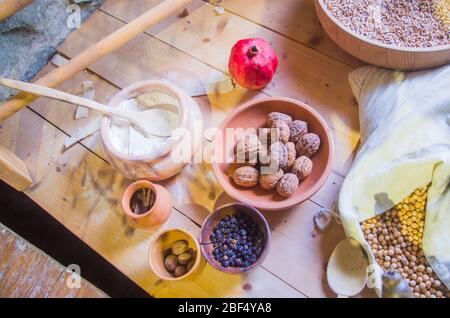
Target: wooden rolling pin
95 52
9 7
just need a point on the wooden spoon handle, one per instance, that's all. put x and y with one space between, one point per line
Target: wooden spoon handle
62 96
133 117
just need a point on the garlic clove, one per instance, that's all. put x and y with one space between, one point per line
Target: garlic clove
322 219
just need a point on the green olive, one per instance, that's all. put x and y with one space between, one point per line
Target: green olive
184 258
190 265
179 247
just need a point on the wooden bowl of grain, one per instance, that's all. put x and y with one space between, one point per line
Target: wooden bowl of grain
378 53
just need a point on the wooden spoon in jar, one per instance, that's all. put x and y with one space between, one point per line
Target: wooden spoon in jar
140 120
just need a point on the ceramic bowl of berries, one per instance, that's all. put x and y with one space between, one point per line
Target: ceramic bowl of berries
275 153
235 238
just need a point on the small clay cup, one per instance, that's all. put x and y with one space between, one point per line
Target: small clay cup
158 213
214 218
160 246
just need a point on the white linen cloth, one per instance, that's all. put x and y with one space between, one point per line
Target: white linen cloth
405 144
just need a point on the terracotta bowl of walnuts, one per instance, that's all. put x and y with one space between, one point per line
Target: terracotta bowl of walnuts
273 153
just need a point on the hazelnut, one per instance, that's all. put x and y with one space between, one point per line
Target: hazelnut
270 181
292 154
274 116
283 130
246 176
170 262
308 144
297 129
302 167
288 185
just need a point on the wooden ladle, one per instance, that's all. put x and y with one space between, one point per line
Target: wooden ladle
141 120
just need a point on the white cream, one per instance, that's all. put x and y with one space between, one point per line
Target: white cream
128 140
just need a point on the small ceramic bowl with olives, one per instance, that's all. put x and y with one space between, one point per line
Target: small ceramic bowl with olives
174 254
235 238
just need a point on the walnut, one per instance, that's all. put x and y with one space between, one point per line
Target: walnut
246 176
273 116
247 149
263 156
270 181
235 165
278 155
297 128
292 154
308 145
283 130
302 167
242 163
264 136
287 185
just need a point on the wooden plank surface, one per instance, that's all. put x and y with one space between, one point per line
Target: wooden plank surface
146 57
295 19
13 171
303 73
81 190
25 271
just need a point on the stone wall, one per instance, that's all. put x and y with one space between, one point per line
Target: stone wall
28 39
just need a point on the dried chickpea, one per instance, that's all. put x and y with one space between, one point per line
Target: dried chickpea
396 241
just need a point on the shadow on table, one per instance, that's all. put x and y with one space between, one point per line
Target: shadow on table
26 218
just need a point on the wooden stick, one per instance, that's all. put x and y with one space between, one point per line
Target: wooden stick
9 7
95 52
13 170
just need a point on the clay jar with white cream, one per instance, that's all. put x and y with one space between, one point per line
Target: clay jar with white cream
142 156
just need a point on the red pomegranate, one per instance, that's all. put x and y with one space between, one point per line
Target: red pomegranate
252 63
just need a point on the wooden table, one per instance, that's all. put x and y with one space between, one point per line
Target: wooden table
82 191
26 271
